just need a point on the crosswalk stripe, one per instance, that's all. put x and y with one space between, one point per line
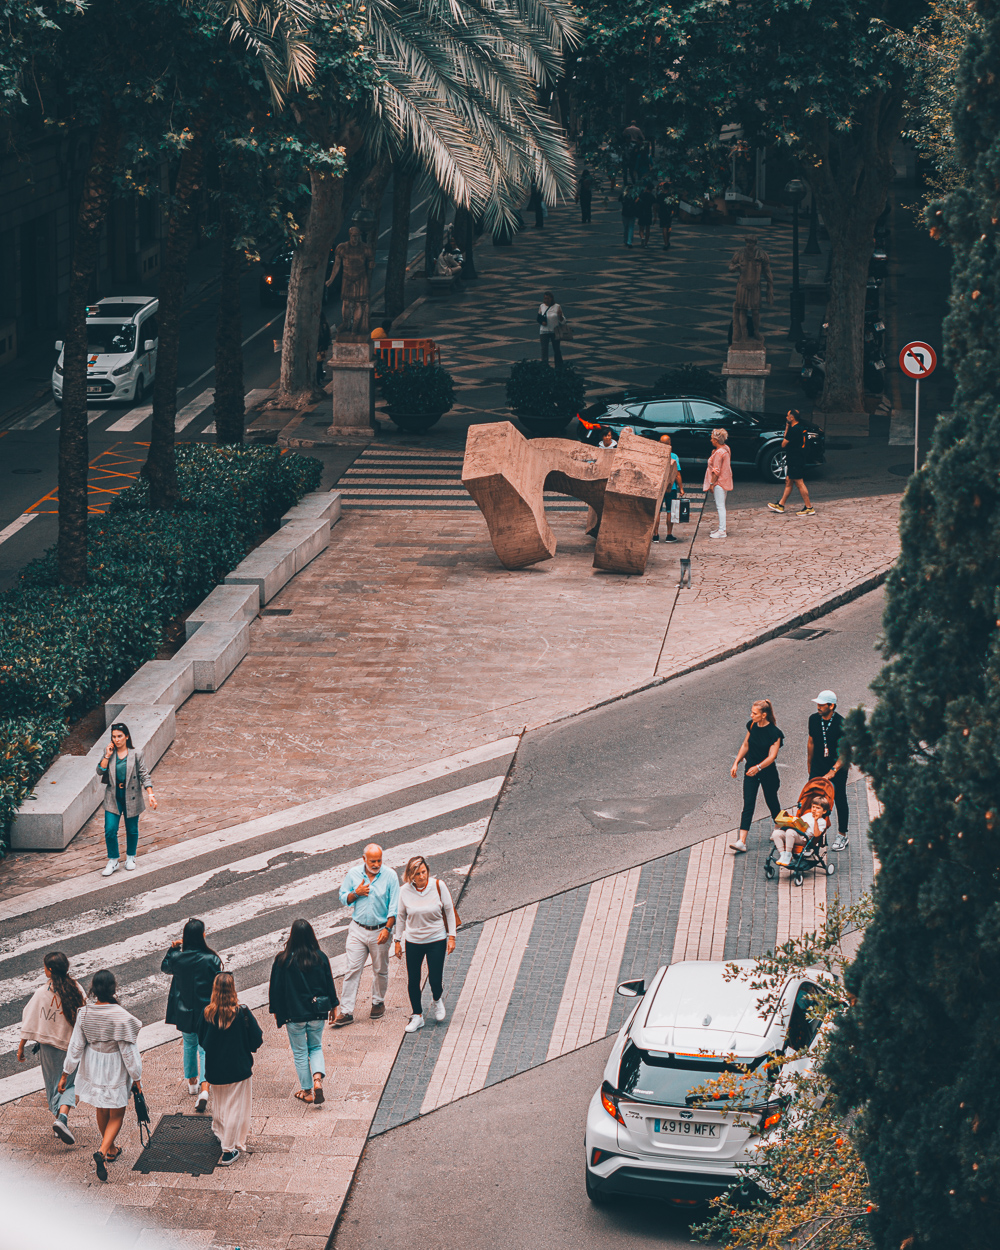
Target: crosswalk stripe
36 418
131 419
266 861
18 524
188 413
704 914
93 415
317 809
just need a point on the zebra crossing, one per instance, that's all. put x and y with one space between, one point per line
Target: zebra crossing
119 421
248 883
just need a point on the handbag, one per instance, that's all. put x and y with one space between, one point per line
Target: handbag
564 332
685 510
141 1114
675 511
322 1005
458 918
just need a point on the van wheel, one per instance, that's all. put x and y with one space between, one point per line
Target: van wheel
140 391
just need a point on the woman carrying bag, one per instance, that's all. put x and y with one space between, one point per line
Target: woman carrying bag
230 1036
427 919
193 965
302 997
48 1020
104 1055
125 778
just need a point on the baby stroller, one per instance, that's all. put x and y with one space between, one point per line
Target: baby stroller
813 853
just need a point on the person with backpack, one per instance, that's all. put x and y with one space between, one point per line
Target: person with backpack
230 1037
302 997
193 965
47 1020
427 922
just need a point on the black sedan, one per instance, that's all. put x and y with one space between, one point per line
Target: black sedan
690 420
274 275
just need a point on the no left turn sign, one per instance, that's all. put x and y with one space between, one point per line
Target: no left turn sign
918 360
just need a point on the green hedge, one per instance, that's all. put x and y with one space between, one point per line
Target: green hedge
62 650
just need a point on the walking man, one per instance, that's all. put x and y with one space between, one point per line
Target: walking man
373 892
826 726
585 194
644 205
794 444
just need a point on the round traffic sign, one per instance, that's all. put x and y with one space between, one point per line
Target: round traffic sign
918 360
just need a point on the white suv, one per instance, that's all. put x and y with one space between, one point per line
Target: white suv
644 1136
122 338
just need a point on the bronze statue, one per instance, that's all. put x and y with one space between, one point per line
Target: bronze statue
357 260
753 265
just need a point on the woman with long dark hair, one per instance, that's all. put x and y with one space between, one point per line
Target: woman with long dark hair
124 783
230 1036
104 1055
193 965
47 1020
302 997
760 750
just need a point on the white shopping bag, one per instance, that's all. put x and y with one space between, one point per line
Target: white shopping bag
675 511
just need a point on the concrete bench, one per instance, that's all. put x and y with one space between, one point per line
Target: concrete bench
214 651
440 286
317 506
158 681
276 561
224 604
71 791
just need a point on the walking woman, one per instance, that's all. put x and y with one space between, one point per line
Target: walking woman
302 997
719 477
760 750
124 781
47 1020
426 920
193 965
229 1035
104 1055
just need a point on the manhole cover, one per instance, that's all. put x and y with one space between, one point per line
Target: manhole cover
276 611
181 1143
807 635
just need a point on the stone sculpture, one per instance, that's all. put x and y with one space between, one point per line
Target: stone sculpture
754 267
357 260
506 474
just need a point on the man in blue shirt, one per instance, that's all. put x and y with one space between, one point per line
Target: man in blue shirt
373 893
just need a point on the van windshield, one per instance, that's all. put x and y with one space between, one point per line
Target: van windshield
110 338
669 1080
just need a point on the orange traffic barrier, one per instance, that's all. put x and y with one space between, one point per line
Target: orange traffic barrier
398 352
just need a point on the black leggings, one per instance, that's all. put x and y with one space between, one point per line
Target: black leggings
767 780
415 952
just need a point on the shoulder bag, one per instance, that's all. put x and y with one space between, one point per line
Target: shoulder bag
458 918
564 332
141 1114
541 317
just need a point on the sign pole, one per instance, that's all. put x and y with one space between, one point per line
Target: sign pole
917 360
916 428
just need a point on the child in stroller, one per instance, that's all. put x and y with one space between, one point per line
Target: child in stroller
799 836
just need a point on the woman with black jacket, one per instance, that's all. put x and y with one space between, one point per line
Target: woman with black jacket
302 997
230 1036
193 965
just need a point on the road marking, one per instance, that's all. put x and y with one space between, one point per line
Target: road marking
131 419
188 413
92 416
34 419
317 809
585 1007
704 914
464 1061
16 525
800 907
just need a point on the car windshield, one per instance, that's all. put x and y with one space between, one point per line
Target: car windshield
669 1080
110 338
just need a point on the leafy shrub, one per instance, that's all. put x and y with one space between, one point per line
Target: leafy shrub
62 649
534 389
689 380
423 389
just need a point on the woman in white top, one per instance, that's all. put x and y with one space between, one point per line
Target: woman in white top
104 1055
550 318
426 920
48 1021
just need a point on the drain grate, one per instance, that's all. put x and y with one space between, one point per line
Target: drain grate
181 1143
807 635
276 611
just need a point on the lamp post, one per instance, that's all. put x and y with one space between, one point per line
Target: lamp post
812 243
795 192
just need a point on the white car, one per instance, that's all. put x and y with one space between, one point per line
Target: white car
645 1138
122 337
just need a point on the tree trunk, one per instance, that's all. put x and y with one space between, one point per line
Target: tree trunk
399 243
161 463
373 192
465 237
230 410
433 240
73 442
850 248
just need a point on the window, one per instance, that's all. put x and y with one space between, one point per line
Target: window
667 412
149 329
110 338
670 1080
710 414
804 1024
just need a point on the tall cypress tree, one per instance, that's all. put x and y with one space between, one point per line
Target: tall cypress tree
919 1054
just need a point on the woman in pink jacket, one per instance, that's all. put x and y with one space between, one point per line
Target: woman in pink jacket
719 477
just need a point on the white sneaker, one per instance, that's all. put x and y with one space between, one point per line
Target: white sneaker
112 867
193 1088
130 863
439 1008
718 534
416 1022
202 1101
785 858
737 846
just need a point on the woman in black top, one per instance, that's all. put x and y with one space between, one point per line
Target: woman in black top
230 1036
301 997
794 444
193 965
760 750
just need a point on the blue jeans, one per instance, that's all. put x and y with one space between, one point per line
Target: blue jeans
194 1059
111 822
628 230
306 1041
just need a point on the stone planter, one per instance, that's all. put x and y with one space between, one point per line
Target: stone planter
414 422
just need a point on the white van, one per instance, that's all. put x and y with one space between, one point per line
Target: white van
122 337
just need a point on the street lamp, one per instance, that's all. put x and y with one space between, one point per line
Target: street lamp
795 193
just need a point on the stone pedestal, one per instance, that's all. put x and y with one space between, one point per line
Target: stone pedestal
352 390
745 371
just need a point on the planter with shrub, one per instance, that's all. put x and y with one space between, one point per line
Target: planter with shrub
417 396
545 399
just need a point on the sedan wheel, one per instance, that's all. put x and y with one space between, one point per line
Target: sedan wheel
772 464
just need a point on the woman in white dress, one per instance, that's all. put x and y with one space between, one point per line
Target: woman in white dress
104 1055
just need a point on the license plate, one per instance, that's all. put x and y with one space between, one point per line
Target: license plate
93 390
685 1128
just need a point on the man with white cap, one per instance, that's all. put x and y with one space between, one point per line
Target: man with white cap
826 726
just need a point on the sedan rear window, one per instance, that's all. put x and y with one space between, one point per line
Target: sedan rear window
670 1080
110 339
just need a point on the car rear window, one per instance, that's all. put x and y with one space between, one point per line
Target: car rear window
110 339
670 1080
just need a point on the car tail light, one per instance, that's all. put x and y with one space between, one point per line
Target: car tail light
770 1118
609 1101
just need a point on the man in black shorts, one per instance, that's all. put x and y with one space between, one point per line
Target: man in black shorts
794 444
823 749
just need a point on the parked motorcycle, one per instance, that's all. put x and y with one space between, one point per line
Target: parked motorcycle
813 373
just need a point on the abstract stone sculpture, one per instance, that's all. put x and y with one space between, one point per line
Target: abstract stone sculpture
506 474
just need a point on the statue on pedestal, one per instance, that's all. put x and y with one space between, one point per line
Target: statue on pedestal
754 266
357 260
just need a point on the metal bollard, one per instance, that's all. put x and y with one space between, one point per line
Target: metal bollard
685 572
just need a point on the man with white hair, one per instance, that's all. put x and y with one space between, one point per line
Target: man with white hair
826 726
373 893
